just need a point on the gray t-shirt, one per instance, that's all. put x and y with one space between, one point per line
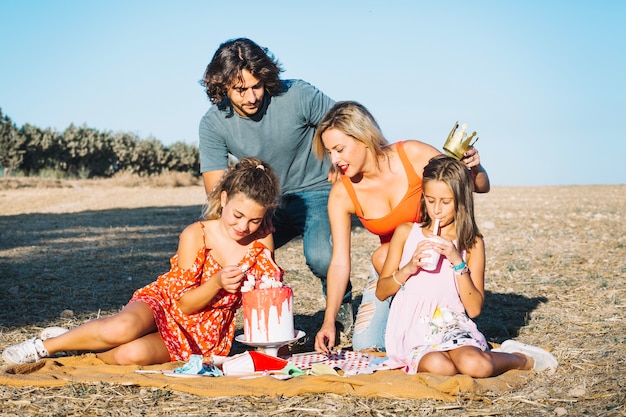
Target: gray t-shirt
281 136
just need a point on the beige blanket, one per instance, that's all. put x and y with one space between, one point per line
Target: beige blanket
87 368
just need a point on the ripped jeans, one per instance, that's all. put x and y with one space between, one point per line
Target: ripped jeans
371 319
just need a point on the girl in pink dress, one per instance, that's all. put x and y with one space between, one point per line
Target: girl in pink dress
430 327
190 309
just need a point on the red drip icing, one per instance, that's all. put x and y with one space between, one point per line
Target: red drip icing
262 300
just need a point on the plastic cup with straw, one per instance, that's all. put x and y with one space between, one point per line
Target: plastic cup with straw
433 257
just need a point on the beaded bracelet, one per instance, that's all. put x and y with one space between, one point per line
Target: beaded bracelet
393 276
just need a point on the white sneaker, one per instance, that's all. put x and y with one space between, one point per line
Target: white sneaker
543 359
26 352
50 332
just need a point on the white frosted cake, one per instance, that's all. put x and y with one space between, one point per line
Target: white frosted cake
268 314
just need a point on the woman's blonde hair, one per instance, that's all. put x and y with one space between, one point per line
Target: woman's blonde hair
354 120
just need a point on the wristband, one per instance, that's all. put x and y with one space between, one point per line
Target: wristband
460 266
462 271
393 276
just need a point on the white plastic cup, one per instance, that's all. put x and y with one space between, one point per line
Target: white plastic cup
432 259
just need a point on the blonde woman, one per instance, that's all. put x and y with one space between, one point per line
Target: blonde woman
380 183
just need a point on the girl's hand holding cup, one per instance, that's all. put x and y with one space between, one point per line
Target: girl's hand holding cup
431 260
420 258
446 248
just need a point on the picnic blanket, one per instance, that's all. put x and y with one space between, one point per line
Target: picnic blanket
86 368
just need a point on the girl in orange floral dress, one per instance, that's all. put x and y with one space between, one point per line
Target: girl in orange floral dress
190 309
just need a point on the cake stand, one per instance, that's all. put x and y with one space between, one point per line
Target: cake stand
270 348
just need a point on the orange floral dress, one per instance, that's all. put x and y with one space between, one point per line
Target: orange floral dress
212 329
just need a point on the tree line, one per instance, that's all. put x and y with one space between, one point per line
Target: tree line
84 152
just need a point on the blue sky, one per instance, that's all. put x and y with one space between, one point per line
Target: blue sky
542 82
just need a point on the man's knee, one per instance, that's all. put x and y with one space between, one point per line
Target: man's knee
318 259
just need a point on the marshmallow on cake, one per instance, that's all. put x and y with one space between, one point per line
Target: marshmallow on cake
267 310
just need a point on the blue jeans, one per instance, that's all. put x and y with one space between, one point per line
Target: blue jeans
371 319
306 214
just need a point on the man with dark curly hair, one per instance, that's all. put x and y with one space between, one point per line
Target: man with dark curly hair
255 113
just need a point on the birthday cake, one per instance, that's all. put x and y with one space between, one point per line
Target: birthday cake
267 310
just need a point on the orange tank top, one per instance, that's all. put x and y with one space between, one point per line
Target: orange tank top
408 210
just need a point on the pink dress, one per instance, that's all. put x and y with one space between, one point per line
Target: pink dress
428 314
210 330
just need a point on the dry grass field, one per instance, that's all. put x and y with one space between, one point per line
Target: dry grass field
556 277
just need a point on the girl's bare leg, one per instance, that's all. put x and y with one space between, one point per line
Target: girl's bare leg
437 363
134 321
379 256
147 350
469 360
474 362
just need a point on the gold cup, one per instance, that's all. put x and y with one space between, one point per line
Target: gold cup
458 142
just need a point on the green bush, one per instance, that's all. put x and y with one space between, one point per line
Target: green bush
83 152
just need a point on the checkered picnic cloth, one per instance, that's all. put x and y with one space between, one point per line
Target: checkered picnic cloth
352 363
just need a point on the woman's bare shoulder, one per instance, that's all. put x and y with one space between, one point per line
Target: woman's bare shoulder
339 196
419 153
416 147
